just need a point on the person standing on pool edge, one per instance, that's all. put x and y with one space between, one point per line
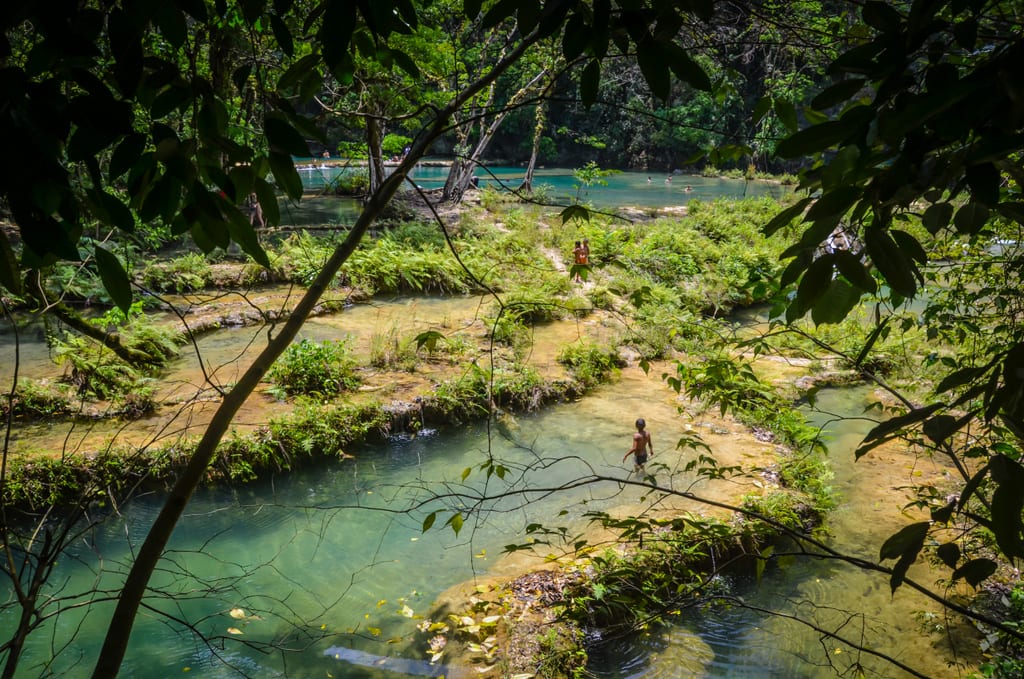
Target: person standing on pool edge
641 447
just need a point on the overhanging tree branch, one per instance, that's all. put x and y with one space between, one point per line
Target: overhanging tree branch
116 641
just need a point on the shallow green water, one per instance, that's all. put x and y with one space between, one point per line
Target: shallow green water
731 641
325 560
620 190
328 550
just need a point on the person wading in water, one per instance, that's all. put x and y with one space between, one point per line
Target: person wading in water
642 447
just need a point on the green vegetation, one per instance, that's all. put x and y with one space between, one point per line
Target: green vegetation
185 273
590 363
391 352
673 565
315 369
1007 651
36 400
312 431
354 182
561 653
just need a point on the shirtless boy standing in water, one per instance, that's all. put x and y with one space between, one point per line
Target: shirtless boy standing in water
641 447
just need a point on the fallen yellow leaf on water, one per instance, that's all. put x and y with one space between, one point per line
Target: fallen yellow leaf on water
234 630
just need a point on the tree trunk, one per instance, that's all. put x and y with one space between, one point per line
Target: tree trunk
540 119
375 155
108 664
461 172
74 321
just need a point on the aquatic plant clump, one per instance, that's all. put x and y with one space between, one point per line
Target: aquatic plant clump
189 272
590 363
34 399
325 368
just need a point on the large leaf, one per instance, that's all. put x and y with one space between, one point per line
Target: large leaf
455 522
975 571
836 303
1007 505
787 113
949 553
909 245
940 427
171 21
908 540
651 59
114 278
126 46
834 202
162 200
502 10
970 218
984 181
406 63
815 281
1012 210
785 217
335 33
118 213
125 155
936 217
838 93
761 108
685 68
854 270
284 138
894 265
576 38
814 139
590 80
243 232
575 212
961 377
904 546
47 236
881 15
286 175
